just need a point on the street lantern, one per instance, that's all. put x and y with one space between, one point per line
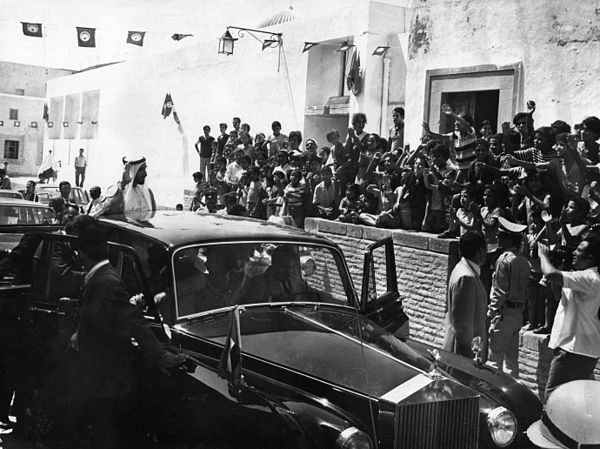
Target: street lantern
226 43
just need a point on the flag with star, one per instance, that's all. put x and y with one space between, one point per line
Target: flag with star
136 37
32 29
86 37
230 363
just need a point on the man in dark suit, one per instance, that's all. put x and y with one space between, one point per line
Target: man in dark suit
466 305
108 322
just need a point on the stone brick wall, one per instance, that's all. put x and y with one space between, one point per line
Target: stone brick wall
423 265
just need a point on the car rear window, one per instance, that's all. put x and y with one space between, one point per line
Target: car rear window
25 215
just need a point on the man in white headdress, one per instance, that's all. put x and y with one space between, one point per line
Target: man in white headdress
131 195
136 194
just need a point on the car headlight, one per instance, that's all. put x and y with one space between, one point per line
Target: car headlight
352 438
503 426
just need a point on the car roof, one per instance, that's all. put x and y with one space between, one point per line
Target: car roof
54 187
176 228
21 202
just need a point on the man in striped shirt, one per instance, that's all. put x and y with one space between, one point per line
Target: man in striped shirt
462 141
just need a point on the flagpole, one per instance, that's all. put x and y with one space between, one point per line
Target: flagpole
239 336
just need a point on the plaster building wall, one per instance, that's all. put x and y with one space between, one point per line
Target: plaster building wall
23 88
556 45
208 88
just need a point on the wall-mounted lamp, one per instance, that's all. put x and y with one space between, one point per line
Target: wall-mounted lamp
50 124
381 50
33 124
1 122
345 47
65 124
94 122
227 41
17 123
308 46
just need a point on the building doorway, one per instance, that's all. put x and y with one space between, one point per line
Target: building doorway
481 105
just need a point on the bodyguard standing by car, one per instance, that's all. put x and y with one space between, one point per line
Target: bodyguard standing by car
466 298
108 322
508 298
575 335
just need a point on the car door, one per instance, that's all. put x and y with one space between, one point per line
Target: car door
380 299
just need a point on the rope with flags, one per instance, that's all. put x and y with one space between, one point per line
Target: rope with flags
168 107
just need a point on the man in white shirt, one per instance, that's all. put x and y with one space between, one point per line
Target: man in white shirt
233 169
80 166
575 335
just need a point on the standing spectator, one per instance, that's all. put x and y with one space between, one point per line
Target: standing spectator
396 134
355 142
29 193
466 300
293 195
222 139
80 166
508 298
294 141
4 180
590 133
205 151
233 169
276 141
342 163
486 130
236 122
438 179
575 335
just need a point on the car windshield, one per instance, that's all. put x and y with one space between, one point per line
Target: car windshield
25 215
220 275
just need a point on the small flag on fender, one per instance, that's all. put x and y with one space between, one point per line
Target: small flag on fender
230 364
167 106
136 37
32 29
86 37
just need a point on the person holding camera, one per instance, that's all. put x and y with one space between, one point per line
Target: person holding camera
575 335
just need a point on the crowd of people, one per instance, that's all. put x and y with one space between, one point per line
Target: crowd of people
531 194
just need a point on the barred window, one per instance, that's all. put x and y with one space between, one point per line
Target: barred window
11 149
13 114
20 91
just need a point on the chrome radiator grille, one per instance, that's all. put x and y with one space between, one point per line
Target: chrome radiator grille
450 424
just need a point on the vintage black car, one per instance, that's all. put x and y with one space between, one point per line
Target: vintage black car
319 366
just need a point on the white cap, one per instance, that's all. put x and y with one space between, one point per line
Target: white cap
571 417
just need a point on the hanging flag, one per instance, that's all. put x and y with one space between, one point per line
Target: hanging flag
230 363
45 115
136 37
178 37
167 106
353 80
32 29
176 118
86 37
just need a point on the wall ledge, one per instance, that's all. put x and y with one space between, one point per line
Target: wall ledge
402 237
